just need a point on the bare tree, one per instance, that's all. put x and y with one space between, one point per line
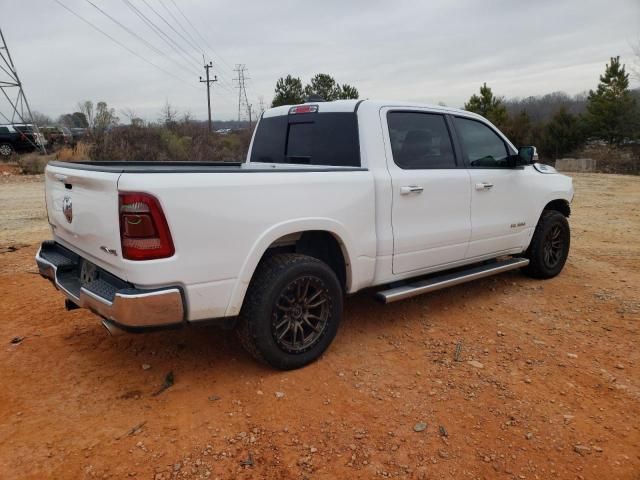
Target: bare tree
129 113
168 114
87 109
187 117
105 117
41 119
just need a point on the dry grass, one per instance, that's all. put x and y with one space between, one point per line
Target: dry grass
76 154
33 163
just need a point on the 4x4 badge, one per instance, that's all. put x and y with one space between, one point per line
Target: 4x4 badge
67 208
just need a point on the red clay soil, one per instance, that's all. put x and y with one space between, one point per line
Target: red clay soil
547 384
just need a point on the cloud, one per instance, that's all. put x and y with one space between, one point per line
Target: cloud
422 51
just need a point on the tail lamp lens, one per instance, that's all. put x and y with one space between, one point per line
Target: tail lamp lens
144 232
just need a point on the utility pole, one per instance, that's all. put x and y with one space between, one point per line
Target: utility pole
208 81
9 80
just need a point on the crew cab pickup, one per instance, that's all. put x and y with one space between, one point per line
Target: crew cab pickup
333 198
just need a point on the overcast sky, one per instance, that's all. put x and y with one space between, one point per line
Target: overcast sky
427 51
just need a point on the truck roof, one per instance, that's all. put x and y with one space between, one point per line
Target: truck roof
351 105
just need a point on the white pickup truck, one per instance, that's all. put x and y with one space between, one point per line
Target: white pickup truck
333 198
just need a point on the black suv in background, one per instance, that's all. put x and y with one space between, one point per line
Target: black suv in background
18 138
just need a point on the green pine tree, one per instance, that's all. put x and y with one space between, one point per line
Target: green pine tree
324 86
347 92
563 134
489 106
289 91
612 112
519 129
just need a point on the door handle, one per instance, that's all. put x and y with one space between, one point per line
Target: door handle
411 189
484 186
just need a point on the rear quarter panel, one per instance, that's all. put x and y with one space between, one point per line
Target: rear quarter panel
222 223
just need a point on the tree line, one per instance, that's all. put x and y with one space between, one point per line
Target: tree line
609 114
556 123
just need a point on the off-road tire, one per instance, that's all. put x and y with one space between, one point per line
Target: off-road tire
540 265
257 319
5 150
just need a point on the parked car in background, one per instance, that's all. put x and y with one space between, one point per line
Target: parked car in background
78 134
20 138
55 135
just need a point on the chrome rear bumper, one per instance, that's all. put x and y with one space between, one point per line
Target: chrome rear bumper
110 297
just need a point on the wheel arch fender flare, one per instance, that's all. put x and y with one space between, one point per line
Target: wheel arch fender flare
275 232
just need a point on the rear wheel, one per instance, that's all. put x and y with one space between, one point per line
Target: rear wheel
291 311
5 149
549 246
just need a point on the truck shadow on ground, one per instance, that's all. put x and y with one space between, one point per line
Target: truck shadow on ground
210 348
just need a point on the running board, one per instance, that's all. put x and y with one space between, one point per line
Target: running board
450 279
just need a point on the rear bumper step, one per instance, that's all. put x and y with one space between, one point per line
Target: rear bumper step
108 296
450 279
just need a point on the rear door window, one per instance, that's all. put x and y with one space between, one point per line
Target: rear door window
420 140
329 139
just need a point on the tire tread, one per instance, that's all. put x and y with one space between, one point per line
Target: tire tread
269 269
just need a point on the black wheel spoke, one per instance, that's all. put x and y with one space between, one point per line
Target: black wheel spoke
315 328
284 332
317 303
301 314
313 297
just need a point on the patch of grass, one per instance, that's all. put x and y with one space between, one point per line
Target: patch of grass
33 163
76 154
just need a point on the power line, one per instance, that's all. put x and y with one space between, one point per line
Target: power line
200 35
132 52
168 24
197 45
223 81
161 34
128 30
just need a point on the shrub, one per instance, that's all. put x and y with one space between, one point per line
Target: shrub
33 163
78 153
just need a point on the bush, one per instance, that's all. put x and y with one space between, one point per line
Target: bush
78 153
33 163
186 141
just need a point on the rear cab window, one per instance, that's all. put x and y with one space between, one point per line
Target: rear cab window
315 138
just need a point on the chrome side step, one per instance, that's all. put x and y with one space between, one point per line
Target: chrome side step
450 279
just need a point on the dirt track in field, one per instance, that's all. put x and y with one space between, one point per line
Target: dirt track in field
552 390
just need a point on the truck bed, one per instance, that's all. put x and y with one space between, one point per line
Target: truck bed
192 167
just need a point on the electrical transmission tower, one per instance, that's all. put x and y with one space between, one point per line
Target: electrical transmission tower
243 103
14 107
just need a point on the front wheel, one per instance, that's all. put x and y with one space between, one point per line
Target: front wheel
291 311
549 246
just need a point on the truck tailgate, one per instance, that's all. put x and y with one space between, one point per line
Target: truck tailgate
82 207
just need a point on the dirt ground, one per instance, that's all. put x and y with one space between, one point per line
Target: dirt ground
547 386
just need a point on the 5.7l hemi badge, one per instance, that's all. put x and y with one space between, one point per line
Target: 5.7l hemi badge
67 208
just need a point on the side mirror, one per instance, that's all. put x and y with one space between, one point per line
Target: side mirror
528 155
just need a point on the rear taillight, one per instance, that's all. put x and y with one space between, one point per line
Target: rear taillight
144 232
